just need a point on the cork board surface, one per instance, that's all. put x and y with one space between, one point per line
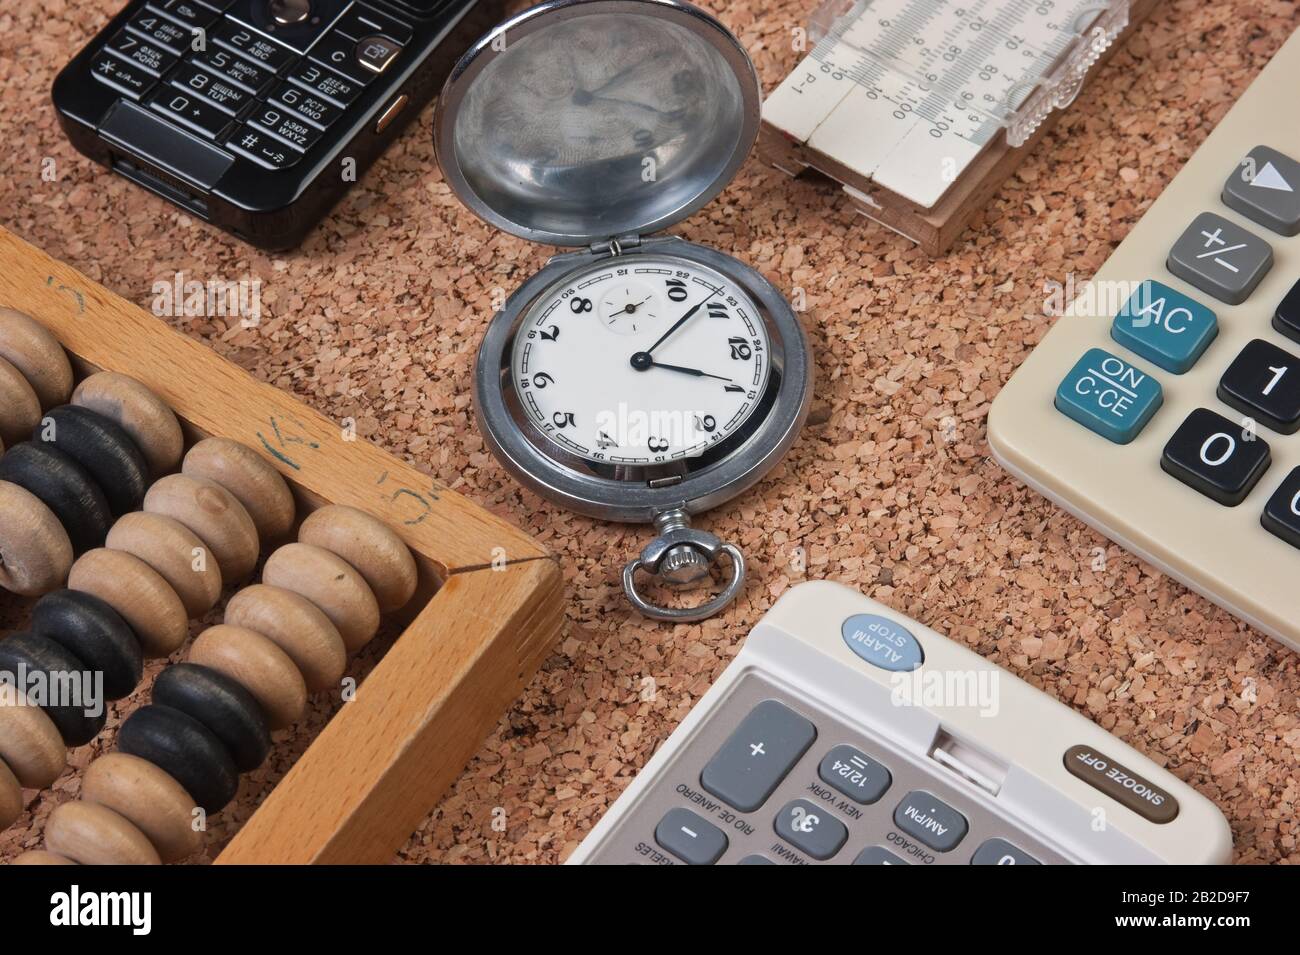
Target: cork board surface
891 489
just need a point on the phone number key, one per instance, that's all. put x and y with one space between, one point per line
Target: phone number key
261 148
281 124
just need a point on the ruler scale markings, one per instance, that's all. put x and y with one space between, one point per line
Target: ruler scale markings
904 87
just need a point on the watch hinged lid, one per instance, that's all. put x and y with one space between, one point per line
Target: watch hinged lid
580 120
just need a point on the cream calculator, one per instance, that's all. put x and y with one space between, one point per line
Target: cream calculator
1163 407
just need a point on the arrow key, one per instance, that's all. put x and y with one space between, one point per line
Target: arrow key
1265 188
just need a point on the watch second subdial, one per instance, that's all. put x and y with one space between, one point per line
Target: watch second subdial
629 307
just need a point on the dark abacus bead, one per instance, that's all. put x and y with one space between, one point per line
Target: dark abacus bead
64 487
103 448
24 654
185 750
95 634
220 704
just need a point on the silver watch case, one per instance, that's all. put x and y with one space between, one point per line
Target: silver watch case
637 494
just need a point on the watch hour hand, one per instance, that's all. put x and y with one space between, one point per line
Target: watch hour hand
695 372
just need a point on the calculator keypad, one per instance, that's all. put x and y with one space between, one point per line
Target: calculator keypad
1218 457
770 779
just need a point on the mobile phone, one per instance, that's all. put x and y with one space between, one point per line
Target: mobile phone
258 115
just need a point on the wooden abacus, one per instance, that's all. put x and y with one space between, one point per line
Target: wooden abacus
486 610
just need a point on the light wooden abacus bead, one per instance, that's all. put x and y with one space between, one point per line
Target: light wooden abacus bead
141 414
11 796
176 553
30 744
41 857
295 625
146 797
20 409
139 594
35 550
370 546
91 834
258 665
254 482
33 350
332 584
214 515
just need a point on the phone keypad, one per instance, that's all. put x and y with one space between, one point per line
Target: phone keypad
258 49
193 16
266 101
333 86
262 148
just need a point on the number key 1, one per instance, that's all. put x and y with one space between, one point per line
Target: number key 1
1264 382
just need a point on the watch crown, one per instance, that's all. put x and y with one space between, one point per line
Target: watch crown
684 564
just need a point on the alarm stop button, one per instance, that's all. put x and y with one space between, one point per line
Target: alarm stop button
1121 784
882 642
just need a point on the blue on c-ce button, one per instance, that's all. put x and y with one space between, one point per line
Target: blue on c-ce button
1164 326
1107 395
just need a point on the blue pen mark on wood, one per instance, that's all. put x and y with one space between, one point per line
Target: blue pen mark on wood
422 500
75 293
284 438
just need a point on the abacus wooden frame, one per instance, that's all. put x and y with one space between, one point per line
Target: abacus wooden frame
488 611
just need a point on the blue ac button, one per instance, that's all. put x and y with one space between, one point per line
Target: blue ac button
882 643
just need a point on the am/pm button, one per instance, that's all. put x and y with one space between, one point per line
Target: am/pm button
1109 396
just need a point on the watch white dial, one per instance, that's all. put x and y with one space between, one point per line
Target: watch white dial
641 359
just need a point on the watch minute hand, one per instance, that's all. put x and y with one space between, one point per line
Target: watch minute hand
682 321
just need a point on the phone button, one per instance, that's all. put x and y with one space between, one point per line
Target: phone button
123 77
146 56
191 110
338 52
262 149
377 53
278 121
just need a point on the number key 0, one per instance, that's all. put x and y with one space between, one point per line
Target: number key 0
1222 460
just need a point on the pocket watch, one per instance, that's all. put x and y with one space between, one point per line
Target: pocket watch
639 377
